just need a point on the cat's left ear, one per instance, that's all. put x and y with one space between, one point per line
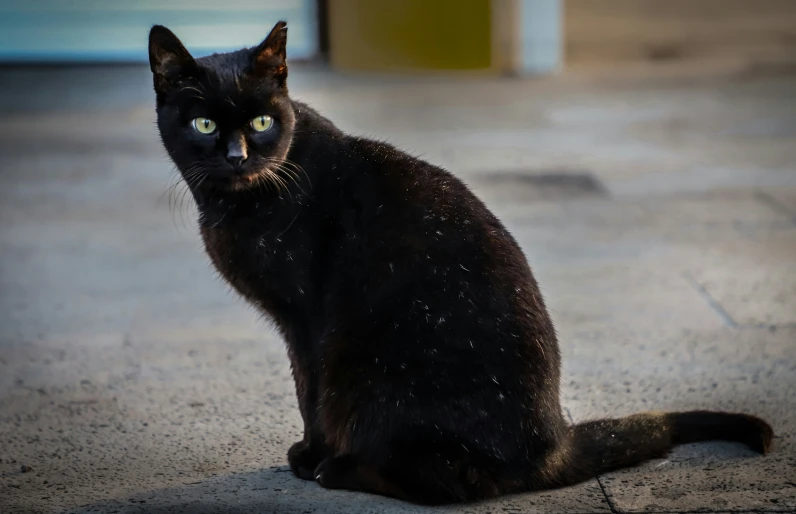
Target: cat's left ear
269 57
168 58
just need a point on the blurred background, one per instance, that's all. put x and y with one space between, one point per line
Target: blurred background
642 152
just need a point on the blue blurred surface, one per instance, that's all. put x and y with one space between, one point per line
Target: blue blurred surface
96 30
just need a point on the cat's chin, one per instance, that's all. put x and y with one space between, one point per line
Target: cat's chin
264 179
235 183
242 182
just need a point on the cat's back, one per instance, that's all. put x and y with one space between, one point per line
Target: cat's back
366 170
382 172
406 215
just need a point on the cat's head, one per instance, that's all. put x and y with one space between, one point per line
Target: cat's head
226 119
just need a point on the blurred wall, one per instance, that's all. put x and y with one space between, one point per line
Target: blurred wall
746 32
410 34
494 36
490 36
116 30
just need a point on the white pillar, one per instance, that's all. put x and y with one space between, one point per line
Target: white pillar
541 36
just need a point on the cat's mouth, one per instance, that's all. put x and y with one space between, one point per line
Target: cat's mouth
239 182
264 177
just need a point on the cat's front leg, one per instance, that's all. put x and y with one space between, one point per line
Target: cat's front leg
305 455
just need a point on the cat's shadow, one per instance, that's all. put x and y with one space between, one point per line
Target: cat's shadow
269 491
277 491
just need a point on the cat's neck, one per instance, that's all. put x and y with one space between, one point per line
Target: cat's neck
257 207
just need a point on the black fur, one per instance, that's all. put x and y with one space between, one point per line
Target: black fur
425 362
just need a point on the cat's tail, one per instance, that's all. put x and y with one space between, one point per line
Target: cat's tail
597 447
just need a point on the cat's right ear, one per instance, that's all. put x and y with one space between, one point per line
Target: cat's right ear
168 58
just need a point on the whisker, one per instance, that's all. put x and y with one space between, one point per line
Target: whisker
284 183
182 195
301 169
261 180
291 174
170 194
179 191
191 88
204 177
278 181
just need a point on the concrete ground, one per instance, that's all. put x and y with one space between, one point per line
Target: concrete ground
662 231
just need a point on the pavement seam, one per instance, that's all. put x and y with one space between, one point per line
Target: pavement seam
712 302
775 205
607 498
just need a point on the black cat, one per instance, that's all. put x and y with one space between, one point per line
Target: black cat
426 364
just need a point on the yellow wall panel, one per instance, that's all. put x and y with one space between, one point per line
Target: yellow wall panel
393 35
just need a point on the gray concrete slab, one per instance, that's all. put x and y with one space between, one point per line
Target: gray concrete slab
750 370
625 294
754 278
781 199
130 374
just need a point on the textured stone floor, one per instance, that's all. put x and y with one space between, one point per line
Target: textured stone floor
659 216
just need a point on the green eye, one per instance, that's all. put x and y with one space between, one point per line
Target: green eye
204 125
262 123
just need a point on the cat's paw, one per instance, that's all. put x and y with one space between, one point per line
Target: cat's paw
336 473
328 475
303 459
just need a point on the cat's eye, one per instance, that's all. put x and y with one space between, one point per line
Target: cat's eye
204 125
262 123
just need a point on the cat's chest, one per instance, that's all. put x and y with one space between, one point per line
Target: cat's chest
266 268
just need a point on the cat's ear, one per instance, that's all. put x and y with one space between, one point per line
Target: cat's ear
269 56
168 58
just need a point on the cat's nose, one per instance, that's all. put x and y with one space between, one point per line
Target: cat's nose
236 161
236 153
